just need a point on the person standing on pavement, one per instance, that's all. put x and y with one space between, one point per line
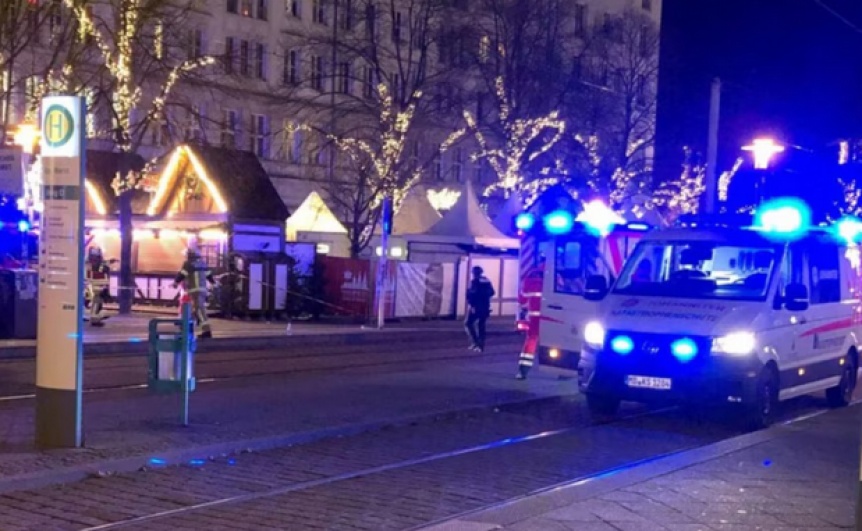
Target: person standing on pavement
97 276
479 296
195 274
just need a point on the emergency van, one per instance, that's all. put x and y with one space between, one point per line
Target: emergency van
717 314
572 259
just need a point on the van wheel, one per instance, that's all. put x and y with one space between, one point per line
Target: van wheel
761 412
842 394
603 405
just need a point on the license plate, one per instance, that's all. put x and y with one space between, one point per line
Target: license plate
648 382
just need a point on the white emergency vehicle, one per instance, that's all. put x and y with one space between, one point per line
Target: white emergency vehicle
715 314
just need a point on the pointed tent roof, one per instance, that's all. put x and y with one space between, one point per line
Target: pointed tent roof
416 214
466 222
504 220
313 215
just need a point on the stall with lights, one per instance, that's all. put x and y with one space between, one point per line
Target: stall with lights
220 202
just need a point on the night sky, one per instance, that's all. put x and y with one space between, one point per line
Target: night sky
790 69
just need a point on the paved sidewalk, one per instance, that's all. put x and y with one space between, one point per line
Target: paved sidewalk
801 476
124 429
128 334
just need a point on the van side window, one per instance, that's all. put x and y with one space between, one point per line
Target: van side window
825 276
574 262
569 269
792 268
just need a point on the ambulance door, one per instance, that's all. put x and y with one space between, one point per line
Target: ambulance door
788 336
564 310
829 321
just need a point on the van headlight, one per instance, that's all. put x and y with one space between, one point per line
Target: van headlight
735 344
594 334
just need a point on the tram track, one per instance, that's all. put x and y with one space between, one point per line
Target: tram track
221 368
445 467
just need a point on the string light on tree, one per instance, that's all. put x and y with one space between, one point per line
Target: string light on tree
519 136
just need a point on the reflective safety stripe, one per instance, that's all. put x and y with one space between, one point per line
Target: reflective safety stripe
526 360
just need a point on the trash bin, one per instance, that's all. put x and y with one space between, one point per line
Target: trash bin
19 304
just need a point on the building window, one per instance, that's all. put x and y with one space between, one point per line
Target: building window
396 26
233 6
345 19
230 120
246 8
397 87
317 72
244 57
344 78
160 133
371 19
229 55
291 142
641 91
195 44
291 67
438 165
580 19
295 8
260 61
415 155
318 12
194 119
263 9
259 130
367 82
484 48
646 4
458 164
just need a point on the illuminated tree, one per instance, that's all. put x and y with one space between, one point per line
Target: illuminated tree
142 55
683 195
522 141
379 81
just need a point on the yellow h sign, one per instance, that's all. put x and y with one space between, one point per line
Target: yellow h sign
58 126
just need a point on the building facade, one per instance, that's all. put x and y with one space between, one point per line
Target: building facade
287 73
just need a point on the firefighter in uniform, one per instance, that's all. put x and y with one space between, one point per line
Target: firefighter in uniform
195 274
97 274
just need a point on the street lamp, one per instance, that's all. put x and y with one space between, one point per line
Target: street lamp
26 136
763 149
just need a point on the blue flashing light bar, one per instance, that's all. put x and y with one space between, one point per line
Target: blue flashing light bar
783 218
684 349
599 218
559 222
849 229
525 221
638 227
23 226
622 345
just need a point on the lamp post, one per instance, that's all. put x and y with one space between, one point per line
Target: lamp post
763 150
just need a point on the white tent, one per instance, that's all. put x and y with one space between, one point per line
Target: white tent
466 223
416 214
313 216
509 210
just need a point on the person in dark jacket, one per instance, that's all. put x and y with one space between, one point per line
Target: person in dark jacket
479 296
194 275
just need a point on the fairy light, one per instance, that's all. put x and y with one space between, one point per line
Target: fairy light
162 187
726 178
520 135
443 199
204 176
386 158
683 195
118 55
95 197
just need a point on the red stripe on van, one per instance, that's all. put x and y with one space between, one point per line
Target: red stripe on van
830 327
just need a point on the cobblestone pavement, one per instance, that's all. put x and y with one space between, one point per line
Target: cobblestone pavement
338 483
396 478
800 477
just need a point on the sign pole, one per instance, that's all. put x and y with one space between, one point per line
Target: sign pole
59 340
382 270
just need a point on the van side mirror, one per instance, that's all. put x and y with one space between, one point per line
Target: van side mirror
796 297
596 288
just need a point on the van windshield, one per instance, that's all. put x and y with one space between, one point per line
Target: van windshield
699 269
